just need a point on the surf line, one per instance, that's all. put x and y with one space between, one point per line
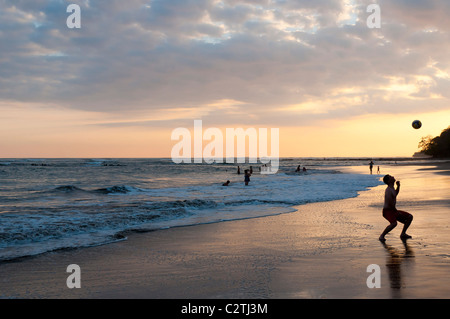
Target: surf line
213 152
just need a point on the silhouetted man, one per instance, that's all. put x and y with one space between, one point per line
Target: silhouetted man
390 212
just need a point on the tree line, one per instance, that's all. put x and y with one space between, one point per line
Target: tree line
438 147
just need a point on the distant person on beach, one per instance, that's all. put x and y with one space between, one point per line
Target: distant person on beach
239 170
304 168
247 177
298 169
391 213
226 183
251 170
371 167
378 170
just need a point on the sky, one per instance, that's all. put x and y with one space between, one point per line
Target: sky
138 69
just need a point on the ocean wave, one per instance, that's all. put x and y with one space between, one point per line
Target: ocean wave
309 171
43 227
68 188
34 232
192 203
57 214
117 189
32 225
121 189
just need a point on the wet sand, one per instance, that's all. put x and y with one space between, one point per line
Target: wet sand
321 251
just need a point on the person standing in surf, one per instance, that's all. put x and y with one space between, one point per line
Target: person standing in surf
247 177
390 212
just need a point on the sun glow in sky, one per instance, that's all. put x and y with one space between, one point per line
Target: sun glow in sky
136 70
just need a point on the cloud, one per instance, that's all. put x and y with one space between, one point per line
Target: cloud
279 61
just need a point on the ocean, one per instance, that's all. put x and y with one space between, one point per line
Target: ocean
51 204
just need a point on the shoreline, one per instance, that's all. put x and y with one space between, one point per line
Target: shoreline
320 251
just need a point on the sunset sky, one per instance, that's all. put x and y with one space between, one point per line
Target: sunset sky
138 69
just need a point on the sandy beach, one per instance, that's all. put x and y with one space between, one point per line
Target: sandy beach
321 251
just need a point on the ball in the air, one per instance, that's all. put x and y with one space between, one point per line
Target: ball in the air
417 124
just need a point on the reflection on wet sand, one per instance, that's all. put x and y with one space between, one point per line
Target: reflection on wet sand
394 261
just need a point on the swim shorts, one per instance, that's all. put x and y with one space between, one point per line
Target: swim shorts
393 215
